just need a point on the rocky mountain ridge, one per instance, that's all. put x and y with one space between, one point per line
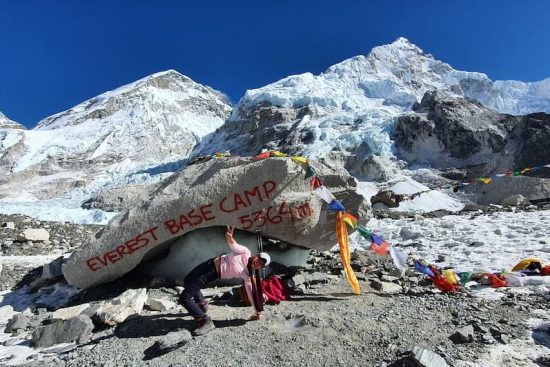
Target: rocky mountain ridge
145 131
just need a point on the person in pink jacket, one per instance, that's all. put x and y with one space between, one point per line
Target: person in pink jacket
238 264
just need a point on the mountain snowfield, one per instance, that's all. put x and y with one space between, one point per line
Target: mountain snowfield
144 131
138 133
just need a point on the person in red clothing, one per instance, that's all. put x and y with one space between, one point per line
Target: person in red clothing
238 264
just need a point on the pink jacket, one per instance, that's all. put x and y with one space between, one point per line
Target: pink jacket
234 265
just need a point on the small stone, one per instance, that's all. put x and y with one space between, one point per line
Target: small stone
172 341
463 335
427 358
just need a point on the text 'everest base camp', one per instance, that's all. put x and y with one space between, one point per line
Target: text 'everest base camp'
390 211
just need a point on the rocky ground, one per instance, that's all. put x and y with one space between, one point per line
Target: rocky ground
394 322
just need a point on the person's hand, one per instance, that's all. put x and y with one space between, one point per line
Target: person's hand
256 316
229 232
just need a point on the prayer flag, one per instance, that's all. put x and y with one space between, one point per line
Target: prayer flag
309 172
364 232
379 245
276 153
349 219
443 284
514 279
485 180
450 275
399 258
343 242
464 277
302 161
315 183
324 194
335 205
525 170
262 156
421 267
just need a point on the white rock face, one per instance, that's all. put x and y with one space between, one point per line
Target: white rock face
270 195
119 309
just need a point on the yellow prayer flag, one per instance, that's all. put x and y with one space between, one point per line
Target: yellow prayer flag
299 160
343 242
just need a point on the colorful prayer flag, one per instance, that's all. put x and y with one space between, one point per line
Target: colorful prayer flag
324 194
343 242
464 277
277 153
335 205
450 275
364 232
379 245
399 258
315 182
309 172
299 160
422 267
349 219
262 156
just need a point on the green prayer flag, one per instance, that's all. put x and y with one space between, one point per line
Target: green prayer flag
364 232
310 172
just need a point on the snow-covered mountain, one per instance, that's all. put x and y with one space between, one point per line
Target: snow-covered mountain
133 134
347 113
146 130
6 123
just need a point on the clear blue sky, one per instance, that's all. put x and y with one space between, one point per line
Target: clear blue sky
55 54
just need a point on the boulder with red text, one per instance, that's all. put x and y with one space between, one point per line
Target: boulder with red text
271 195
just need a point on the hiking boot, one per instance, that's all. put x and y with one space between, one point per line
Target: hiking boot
204 326
204 306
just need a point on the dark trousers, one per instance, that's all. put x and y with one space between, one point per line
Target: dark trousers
197 279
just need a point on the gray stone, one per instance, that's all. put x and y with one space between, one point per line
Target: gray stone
52 269
514 200
77 329
426 358
463 335
386 287
477 244
17 324
270 195
173 340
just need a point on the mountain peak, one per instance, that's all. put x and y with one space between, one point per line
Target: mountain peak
6 123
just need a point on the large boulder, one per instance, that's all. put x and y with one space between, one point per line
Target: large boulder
270 195
502 188
449 132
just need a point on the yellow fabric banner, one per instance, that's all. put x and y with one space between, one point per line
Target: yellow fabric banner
299 160
343 242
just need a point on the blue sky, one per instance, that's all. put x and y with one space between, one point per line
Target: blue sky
55 54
